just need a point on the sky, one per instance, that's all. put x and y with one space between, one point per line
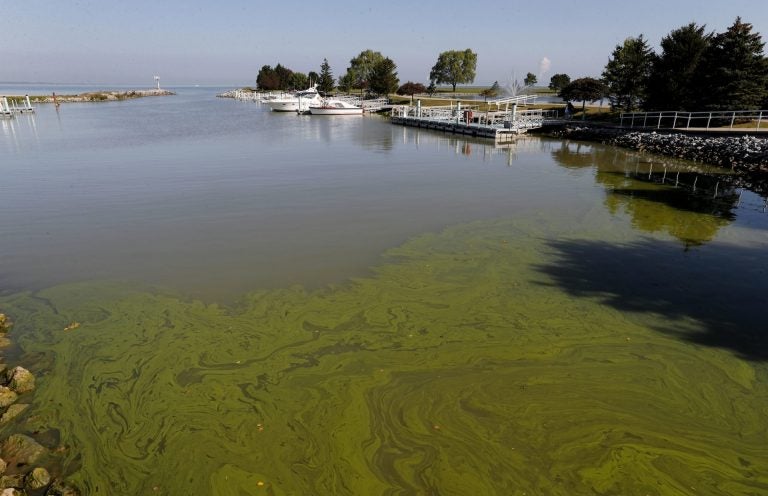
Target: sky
226 42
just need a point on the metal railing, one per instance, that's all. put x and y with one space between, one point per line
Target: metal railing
470 116
696 120
518 99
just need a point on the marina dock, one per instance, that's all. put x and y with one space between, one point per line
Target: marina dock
499 125
8 108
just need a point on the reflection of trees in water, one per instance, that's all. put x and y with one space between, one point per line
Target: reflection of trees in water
723 288
669 197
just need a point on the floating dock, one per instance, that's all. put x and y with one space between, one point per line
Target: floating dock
500 125
10 108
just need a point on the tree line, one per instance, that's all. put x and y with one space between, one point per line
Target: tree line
373 73
695 70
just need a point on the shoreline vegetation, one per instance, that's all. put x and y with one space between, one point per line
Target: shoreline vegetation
94 96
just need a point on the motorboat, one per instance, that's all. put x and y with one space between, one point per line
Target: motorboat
335 107
298 102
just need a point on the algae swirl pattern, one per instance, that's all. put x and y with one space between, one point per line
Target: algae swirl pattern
459 368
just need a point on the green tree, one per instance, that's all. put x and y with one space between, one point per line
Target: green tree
384 78
298 81
558 81
674 82
627 72
454 67
583 90
360 70
432 88
313 77
492 91
284 76
530 79
267 79
734 70
345 83
325 81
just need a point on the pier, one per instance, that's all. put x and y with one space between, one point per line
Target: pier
8 108
499 125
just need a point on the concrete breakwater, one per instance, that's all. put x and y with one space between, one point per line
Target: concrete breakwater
746 155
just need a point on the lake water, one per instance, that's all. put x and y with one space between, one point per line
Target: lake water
281 304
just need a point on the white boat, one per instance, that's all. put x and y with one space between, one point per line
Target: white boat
335 107
298 102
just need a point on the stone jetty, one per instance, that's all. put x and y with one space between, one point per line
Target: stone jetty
101 96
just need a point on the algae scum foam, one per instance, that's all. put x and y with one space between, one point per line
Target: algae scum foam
465 365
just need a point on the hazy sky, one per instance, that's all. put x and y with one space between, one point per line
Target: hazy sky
226 42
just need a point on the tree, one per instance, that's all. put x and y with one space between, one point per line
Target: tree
627 72
360 70
674 82
559 81
383 79
734 71
584 90
492 91
325 80
298 81
345 83
313 77
411 88
530 79
284 76
454 67
267 79
432 88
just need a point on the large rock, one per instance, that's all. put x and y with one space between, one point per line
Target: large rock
11 491
12 412
37 478
21 380
61 488
7 396
15 480
21 450
5 323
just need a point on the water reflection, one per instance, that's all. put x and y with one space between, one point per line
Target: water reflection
11 128
689 203
477 147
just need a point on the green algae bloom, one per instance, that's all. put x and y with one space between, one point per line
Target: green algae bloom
465 365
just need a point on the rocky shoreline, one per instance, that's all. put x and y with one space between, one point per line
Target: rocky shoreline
22 458
746 155
100 96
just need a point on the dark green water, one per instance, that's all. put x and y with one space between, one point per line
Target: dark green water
271 308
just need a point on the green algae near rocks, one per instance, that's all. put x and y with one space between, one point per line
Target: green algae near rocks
461 367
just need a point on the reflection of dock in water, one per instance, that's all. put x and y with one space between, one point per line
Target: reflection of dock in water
472 146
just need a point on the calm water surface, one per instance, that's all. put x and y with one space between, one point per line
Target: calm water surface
282 304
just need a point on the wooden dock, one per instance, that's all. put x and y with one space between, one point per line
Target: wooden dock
503 125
